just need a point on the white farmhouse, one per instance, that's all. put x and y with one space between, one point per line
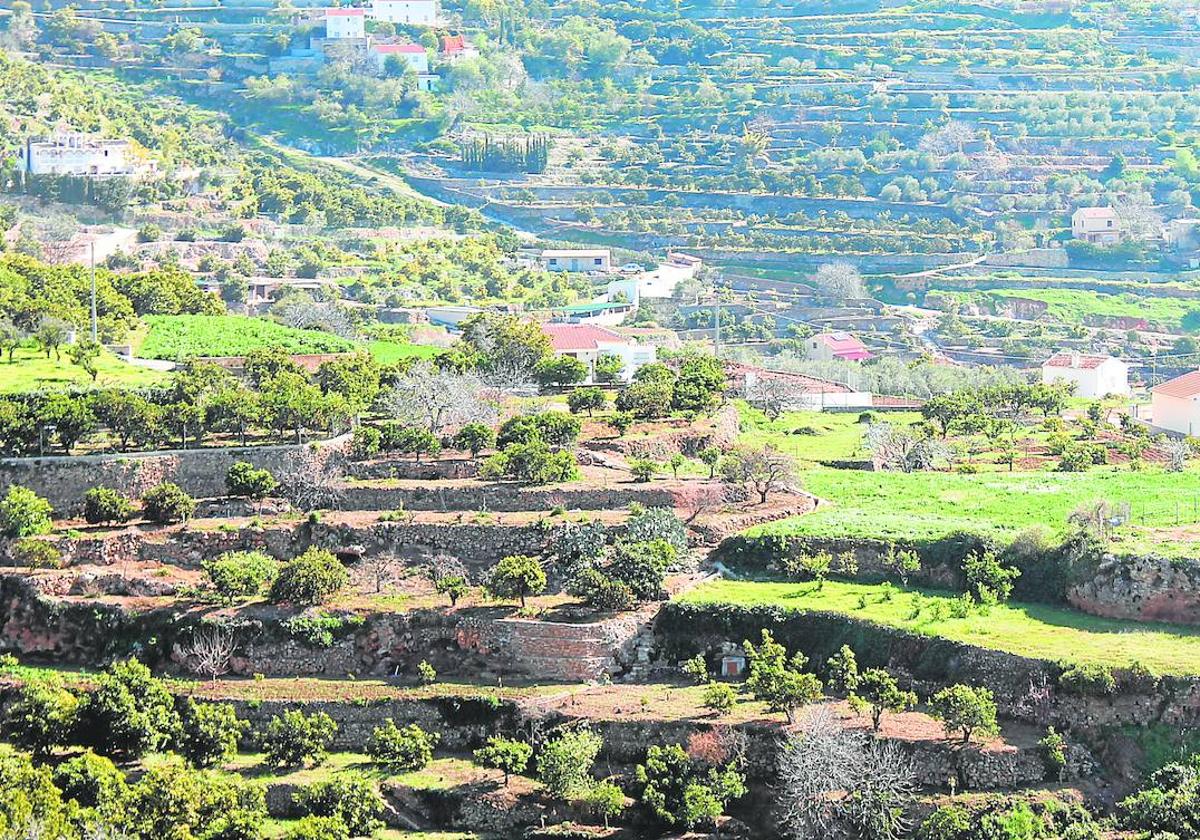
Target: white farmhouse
68 153
587 343
576 259
1098 225
345 23
410 12
1093 376
414 55
1175 404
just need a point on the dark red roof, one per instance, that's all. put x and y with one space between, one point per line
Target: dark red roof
1075 360
811 384
565 337
453 43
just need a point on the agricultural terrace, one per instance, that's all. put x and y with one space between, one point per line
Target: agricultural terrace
980 496
180 337
1033 630
31 370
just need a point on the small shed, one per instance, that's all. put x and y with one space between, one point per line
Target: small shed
733 665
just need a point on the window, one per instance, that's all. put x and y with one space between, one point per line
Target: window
1110 221
554 261
597 261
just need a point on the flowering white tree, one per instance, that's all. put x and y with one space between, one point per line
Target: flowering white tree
434 398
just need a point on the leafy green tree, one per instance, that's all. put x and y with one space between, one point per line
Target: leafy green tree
560 370
167 503
605 800
608 368
877 690
988 577
28 797
310 579
699 385
642 566
778 681
710 456
240 574
173 800
719 697
318 828
244 479
42 717
475 437
506 755
209 733
129 712
355 379
622 422
350 797
587 399
128 416
843 670
85 353
531 463
517 576
965 708
681 793
647 399
642 469
564 764
409 748
24 513
102 504
504 346
294 738
95 784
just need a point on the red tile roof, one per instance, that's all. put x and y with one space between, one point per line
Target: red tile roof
453 43
1185 386
565 337
1075 360
844 345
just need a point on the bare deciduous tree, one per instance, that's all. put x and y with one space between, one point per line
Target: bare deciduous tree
434 398
837 783
839 281
1139 219
379 569
764 470
951 137
775 394
1178 453
211 650
898 449
312 479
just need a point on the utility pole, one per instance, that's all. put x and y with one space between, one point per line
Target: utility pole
93 261
717 324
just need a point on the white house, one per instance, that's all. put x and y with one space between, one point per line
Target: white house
1098 225
345 23
576 259
410 12
414 55
67 153
588 343
1175 404
842 346
1093 376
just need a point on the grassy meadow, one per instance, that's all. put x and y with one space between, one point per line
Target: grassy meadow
32 371
1033 630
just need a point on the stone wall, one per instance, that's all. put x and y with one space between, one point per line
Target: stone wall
200 472
500 497
1141 588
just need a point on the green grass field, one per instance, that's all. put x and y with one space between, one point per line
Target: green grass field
812 436
179 337
1033 630
1077 306
389 352
32 371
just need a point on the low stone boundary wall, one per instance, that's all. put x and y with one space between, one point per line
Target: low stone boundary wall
200 472
501 497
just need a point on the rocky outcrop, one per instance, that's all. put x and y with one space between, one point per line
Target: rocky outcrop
1141 588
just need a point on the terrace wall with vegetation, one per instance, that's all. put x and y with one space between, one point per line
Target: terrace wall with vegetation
1025 688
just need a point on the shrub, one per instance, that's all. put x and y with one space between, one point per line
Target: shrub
34 553
531 463
309 579
243 479
349 797
565 763
318 828
985 574
965 708
1054 754
604 800
475 437
209 733
42 717
240 574
24 513
642 469
601 592
560 370
410 748
621 422
719 697
129 712
93 781
655 523
877 691
365 442
320 629
506 755
586 399
517 576
426 673
1088 681
149 232
167 503
680 793
294 738
642 566
101 504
